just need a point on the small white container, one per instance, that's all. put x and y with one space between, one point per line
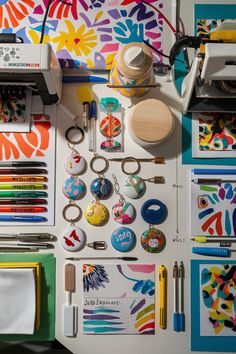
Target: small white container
150 123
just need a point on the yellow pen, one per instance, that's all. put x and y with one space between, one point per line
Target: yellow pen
204 239
163 296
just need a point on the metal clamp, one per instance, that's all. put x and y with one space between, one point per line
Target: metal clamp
77 129
130 159
99 157
65 210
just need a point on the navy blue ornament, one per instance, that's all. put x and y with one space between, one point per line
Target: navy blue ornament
101 188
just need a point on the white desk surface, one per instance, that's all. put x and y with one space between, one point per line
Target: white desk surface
164 341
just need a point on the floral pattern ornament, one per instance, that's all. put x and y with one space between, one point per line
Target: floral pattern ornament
84 33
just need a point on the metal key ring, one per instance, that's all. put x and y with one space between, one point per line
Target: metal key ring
99 157
75 128
65 210
129 159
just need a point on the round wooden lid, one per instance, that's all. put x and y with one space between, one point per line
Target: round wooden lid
131 65
151 121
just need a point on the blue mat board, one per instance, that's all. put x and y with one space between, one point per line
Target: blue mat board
205 343
202 11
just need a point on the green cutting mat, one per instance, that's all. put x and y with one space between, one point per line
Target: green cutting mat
48 276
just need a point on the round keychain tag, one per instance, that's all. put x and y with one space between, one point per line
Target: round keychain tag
153 240
101 188
96 214
110 126
153 211
123 212
74 188
73 239
75 164
134 187
123 239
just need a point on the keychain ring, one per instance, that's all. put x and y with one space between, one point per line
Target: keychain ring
99 157
71 141
130 159
65 210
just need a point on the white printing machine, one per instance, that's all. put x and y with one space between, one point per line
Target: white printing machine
31 65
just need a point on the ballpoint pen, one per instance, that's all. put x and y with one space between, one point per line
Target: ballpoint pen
215 171
181 297
23 194
23 164
79 79
22 209
92 127
163 297
23 201
211 239
23 186
28 237
40 246
176 297
23 218
23 171
99 258
23 179
86 114
217 181
18 249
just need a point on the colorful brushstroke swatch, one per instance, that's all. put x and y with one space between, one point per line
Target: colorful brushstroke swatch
217 131
119 299
84 33
218 299
213 207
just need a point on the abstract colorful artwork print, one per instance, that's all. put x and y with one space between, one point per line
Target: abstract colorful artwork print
213 208
84 33
218 299
119 299
204 27
217 131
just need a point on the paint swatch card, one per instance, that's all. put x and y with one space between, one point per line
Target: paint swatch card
15 111
213 305
37 145
214 134
119 299
213 205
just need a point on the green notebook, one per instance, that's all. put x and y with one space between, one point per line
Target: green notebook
47 327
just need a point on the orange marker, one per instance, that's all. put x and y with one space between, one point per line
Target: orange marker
23 179
24 209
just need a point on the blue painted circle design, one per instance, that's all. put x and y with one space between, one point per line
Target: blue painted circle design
154 216
74 188
101 188
123 239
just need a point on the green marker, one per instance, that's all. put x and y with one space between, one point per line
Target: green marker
23 186
23 194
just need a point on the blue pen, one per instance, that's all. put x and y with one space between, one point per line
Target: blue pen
81 79
23 218
207 171
92 126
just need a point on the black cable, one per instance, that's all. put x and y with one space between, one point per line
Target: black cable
44 21
155 50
